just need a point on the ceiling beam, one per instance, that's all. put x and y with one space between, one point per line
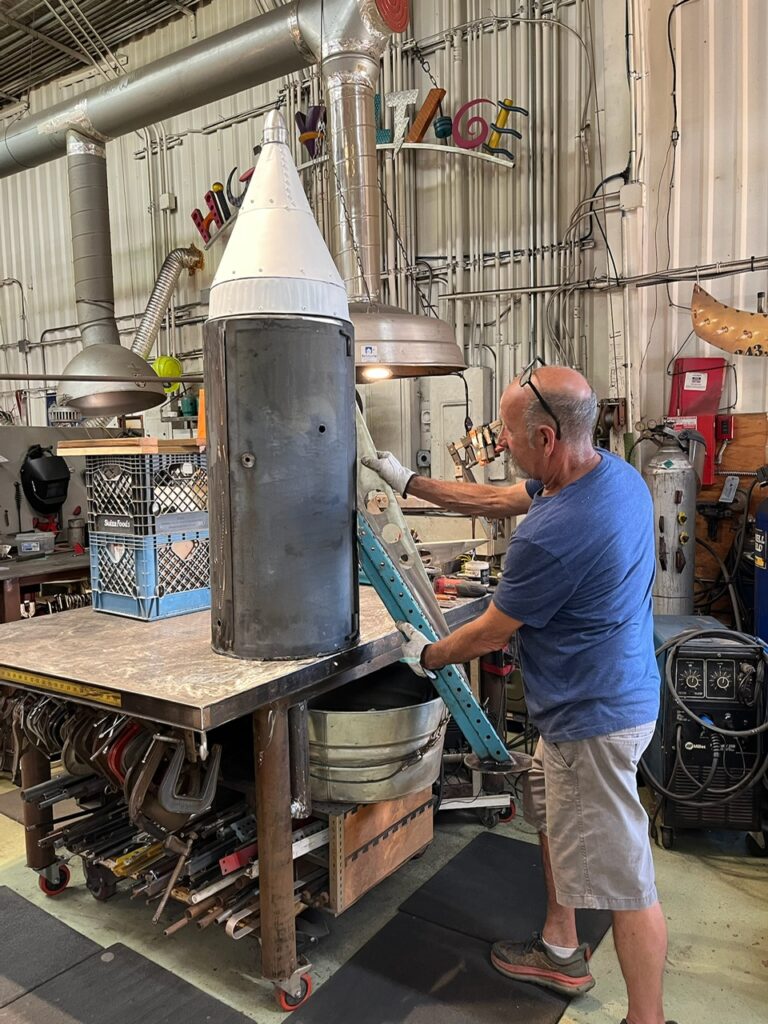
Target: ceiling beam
48 40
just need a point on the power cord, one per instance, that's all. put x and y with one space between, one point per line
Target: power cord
760 767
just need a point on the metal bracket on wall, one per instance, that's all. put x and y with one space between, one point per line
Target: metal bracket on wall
450 683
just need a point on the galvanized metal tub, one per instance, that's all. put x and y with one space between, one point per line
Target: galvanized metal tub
365 756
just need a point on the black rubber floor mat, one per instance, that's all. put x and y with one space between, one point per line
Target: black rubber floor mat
118 986
414 972
34 947
494 889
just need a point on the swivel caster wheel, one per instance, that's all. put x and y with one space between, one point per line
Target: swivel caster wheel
505 816
490 817
287 1002
100 882
55 888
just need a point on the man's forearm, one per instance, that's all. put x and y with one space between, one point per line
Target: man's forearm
472 640
471 499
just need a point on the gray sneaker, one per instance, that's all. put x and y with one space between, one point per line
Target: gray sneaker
532 961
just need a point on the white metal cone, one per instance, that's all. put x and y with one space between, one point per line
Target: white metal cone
276 261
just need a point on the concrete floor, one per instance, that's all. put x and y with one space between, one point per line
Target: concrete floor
715 897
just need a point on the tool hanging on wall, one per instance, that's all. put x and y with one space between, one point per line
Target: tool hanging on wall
499 128
443 124
476 448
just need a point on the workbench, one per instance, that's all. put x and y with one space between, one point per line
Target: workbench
165 671
16 572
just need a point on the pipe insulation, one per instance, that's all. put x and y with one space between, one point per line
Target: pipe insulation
179 259
91 240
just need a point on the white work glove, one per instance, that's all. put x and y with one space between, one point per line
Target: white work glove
390 470
412 649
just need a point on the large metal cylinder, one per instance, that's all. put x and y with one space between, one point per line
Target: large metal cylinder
282 459
673 484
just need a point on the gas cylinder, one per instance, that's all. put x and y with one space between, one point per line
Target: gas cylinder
673 484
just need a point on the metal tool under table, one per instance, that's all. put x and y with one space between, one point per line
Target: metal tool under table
165 671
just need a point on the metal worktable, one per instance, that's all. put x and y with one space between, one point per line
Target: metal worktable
166 672
16 572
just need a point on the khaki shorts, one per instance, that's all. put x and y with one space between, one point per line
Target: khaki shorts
583 795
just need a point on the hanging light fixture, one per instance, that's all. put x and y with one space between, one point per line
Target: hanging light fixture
393 343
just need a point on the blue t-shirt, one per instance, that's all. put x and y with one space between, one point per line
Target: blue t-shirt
579 574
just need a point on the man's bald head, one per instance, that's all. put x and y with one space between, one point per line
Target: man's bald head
567 393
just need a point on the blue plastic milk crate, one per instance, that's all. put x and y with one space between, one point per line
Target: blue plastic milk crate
136 495
151 577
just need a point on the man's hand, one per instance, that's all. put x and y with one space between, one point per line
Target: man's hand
390 470
413 648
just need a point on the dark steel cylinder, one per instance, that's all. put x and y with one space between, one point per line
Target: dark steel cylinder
280 400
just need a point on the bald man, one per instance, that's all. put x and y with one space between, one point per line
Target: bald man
576 590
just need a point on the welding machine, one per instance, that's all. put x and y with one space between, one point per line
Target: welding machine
709 753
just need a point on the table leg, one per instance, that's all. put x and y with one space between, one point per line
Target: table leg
10 606
38 822
298 741
279 962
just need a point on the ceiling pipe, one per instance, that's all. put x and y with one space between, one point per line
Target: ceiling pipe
348 37
91 240
250 54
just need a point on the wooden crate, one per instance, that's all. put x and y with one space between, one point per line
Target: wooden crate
368 843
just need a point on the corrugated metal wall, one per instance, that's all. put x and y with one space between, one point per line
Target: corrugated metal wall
719 203
455 210
471 220
35 244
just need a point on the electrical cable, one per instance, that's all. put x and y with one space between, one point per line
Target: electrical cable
674 139
757 773
736 552
467 419
705 786
602 231
635 444
728 580
700 634
679 763
759 769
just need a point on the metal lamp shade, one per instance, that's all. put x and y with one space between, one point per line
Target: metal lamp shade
109 398
390 342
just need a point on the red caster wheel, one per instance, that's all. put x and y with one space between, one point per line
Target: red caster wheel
509 815
55 889
288 1003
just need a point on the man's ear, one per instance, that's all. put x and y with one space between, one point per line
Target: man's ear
548 438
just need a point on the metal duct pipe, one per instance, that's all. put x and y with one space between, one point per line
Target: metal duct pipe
350 85
350 41
258 51
91 241
170 272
